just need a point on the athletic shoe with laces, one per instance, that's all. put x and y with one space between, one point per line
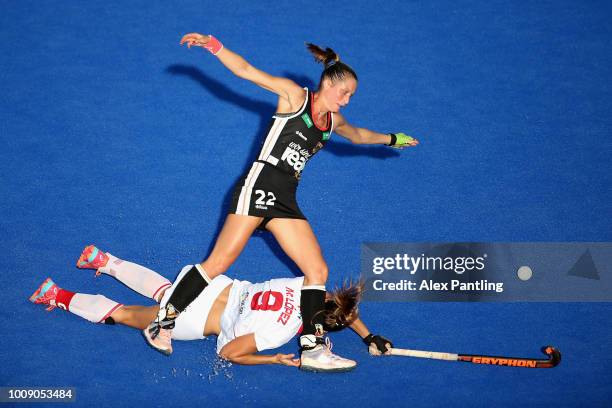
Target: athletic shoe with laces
159 333
46 294
320 358
92 258
158 338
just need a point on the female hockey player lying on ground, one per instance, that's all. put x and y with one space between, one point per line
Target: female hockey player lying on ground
246 317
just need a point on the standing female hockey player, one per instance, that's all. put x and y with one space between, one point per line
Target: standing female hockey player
265 197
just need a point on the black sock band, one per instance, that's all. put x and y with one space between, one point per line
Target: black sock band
312 302
188 289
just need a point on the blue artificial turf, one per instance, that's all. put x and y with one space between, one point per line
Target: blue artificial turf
114 134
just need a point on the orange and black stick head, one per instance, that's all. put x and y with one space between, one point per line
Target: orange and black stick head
554 357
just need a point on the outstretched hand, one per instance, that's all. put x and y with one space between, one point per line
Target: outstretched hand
378 345
288 360
374 351
403 141
195 39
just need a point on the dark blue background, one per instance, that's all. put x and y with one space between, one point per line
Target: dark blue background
114 134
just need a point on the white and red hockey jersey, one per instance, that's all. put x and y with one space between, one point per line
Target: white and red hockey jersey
270 310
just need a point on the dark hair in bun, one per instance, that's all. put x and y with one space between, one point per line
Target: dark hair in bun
335 70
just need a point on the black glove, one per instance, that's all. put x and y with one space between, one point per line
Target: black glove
379 341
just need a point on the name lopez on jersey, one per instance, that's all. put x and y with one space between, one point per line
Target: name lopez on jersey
289 306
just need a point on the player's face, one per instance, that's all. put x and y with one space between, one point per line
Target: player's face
338 94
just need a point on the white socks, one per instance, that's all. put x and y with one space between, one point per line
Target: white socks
95 308
136 277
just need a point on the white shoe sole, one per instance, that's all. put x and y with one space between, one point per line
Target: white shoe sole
312 369
149 340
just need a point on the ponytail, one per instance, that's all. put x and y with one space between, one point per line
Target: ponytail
335 70
342 309
326 57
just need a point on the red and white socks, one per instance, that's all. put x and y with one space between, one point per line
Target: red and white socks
95 308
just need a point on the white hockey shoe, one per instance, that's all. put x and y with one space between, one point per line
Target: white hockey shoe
317 356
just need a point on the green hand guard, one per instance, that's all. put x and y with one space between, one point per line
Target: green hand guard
399 140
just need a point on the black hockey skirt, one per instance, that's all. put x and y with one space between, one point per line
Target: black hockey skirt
265 191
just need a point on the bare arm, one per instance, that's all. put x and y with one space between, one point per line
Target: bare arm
358 135
360 328
287 90
362 135
242 350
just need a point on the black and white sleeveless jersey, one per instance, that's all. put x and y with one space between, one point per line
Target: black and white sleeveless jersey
294 138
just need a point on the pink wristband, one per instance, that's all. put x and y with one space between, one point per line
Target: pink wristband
213 45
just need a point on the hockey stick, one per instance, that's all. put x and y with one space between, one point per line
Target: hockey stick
554 358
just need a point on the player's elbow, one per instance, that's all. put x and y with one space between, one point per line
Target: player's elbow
353 137
357 139
228 355
358 136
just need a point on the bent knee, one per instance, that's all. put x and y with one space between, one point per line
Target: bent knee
215 266
316 275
